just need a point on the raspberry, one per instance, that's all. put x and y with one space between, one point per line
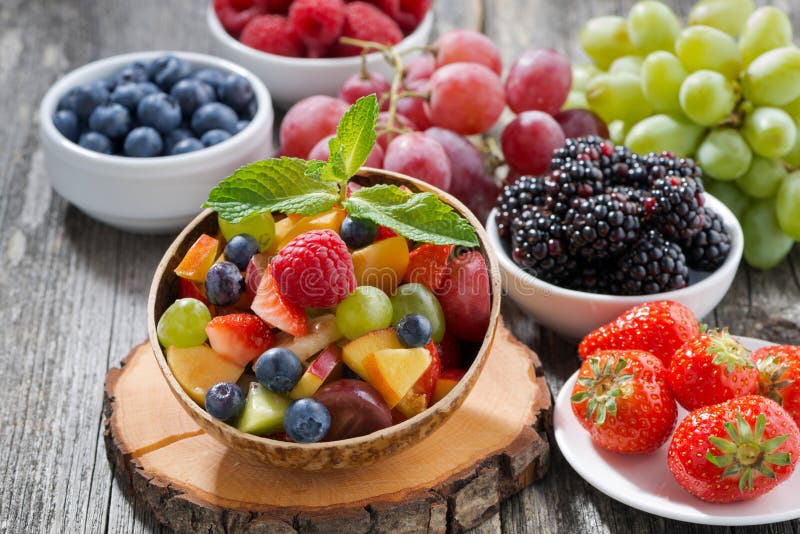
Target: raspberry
368 23
235 14
314 270
272 34
407 13
279 7
318 23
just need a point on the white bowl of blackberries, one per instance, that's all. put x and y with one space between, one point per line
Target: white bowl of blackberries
138 140
605 229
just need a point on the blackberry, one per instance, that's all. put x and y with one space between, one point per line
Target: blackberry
629 193
675 206
590 148
527 191
625 168
539 246
589 277
660 165
601 226
708 249
573 179
652 265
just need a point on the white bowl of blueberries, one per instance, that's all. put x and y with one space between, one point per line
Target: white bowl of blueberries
138 140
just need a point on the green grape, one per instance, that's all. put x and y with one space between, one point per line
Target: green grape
576 100
604 39
765 244
793 109
704 47
366 309
766 29
707 97
416 298
787 205
728 194
183 324
729 16
724 154
662 76
664 132
773 79
792 158
259 225
629 64
763 177
618 97
653 26
581 74
771 132
617 132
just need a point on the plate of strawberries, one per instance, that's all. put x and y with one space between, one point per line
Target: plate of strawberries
682 422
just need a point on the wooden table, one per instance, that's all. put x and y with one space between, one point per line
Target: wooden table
73 291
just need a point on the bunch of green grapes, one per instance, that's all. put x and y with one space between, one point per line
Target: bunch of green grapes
724 90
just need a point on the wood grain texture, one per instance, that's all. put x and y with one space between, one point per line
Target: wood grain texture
73 291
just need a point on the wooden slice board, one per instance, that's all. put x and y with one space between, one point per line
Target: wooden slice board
492 447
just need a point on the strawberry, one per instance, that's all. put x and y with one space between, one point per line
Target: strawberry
656 327
622 398
711 368
427 382
449 352
779 376
734 451
239 337
384 233
427 265
275 310
188 289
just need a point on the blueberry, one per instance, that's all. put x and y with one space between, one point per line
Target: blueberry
306 421
214 137
414 330
358 233
67 100
143 142
191 94
159 111
250 111
89 96
278 369
133 73
173 137
212 77
236 92
241 125
66 122
224 284
148 88
111 120
128 95
213 116
166 71
240 249
224 401
95 141
184 146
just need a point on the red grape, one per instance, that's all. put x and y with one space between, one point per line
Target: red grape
471 184
581 122
538 80
419 156
413 107
321 151
400 121
357 86
307 122
420 68
529 140
466 98
459 46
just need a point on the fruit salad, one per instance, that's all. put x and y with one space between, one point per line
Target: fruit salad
358 308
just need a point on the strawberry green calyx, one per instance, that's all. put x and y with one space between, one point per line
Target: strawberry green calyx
603 388
770 378
727 351
747 452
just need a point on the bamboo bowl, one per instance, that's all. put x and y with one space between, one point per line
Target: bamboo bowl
340 454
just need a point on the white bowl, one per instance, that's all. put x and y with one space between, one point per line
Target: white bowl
292 79
148 195
573 314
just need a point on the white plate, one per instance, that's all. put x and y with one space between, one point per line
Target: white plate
644 481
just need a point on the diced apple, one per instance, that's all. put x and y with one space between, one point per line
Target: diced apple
322 331
393 372
327 366
198 368
447 381
198 259
263 411
358 349
382 264
330 220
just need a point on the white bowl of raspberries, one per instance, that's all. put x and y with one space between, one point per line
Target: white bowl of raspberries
137 140
294 47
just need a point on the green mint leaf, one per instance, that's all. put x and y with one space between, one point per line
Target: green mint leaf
271 185
355 137
322 171
420 216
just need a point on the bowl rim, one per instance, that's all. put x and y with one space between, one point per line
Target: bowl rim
468 380
264 116
221 35
730 265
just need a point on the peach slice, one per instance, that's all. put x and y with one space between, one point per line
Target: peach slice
327 366
358 349
447 381
382 264
328 220
198 368
198 259
393 372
